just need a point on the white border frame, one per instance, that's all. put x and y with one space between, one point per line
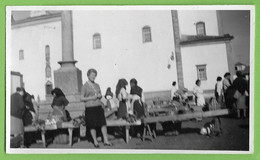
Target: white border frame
128 7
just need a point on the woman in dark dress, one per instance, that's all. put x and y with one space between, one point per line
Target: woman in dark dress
29 108
94 113
137 99
28 116
240 85
58 104
122 96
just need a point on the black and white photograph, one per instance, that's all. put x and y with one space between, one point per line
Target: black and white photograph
129 79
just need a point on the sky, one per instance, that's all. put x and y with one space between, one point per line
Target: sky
235 23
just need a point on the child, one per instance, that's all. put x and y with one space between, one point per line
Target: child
110 102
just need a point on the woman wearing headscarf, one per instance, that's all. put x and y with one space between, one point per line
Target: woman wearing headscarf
29 112
240 85
137 103
228 90
58 104
137 97
94 113
110 99
122 96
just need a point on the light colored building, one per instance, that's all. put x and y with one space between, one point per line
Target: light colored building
154 46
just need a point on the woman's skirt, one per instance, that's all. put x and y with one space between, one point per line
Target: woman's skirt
122 110
139 111
16 126
95 117
241 100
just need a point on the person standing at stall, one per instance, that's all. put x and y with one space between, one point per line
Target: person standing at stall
137 97
174 94
198 92
59 104
228 90
94 113
122 96
240 85
17 109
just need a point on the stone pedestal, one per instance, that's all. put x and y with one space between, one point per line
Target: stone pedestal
68 79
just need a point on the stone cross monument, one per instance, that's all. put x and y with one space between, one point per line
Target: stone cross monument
68 77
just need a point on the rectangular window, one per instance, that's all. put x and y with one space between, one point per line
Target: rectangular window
200 27
202 72
96 41
97 44
147 35
21 55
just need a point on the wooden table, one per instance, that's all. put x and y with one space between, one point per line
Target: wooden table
71 127
186 116
182 117
123 123
63 125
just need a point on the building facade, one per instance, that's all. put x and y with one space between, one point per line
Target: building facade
156 47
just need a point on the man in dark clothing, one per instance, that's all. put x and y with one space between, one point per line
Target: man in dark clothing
240 85
17 127
17 103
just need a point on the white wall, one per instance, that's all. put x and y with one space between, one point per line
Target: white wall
215 58
123 54
32 39
15 82
188 19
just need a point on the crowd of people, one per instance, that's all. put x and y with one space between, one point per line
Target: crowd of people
129 103
24 108
231 94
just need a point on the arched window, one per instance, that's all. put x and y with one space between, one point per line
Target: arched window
147 35
48 63
200 28
21 54
96 41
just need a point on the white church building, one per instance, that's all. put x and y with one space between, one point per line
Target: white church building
156 47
